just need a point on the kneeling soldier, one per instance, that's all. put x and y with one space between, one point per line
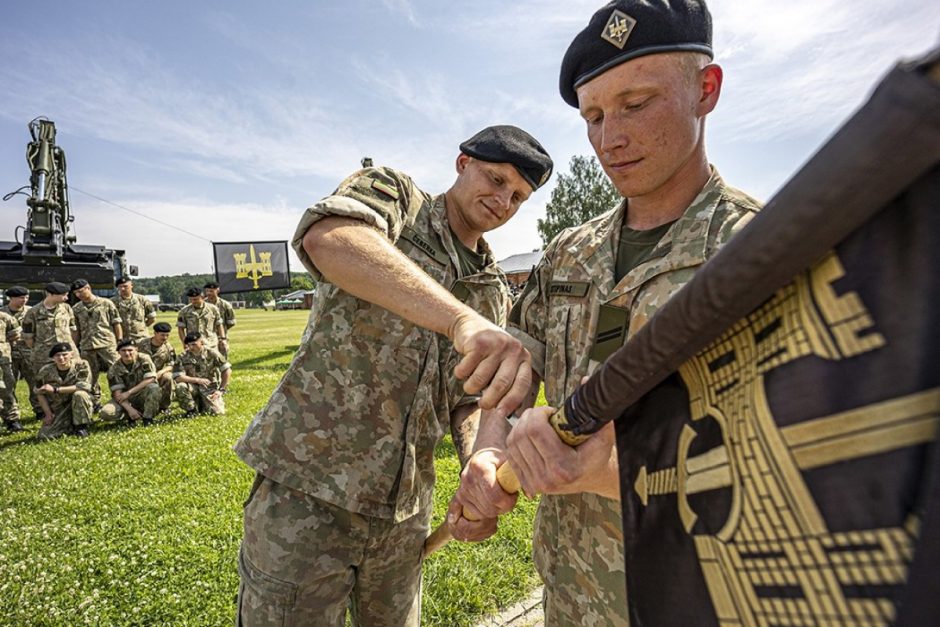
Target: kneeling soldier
163 355
99 329
64 392
134 389
202 375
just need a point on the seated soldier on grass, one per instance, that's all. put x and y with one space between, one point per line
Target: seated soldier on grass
202 376
134 390
163 355
63 389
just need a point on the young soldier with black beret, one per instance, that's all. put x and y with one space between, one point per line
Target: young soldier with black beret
211 292
99 329
134 390
21 353
137 312
642 78
202 375
50 322
344 449
163 354
64 391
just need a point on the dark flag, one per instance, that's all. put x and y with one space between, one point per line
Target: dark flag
251 266
777 455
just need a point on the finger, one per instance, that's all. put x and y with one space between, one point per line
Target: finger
481 377
521 385
468 364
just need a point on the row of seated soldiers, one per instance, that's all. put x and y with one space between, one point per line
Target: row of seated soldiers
33 339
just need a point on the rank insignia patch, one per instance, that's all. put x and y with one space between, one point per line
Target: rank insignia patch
618 29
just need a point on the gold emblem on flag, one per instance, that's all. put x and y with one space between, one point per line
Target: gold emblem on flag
257 268
618 29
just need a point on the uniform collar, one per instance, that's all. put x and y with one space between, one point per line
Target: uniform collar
441 226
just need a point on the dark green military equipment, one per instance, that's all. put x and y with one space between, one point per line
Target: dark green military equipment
48 250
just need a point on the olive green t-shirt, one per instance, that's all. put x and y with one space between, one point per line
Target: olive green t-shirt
635 247
471 262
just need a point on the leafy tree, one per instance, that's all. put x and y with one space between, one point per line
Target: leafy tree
578 196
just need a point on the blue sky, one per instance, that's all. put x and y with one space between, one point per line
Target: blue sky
228 118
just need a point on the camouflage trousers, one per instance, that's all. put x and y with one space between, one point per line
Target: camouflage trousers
303 561
23 369
75 412
167 387
192 397
9 410
146 401
99 360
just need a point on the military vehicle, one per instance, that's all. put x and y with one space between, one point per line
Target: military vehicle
45 249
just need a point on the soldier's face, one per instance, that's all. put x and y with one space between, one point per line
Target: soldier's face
18 302
645 120
84 293
63 360
487 194
196 301
126 289
55 299
211 292
128 354
160 338
195 347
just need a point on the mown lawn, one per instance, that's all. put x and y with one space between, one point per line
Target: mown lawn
141 526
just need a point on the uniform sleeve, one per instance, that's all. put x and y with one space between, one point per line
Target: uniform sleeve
13 329
114 316
73 326
178 368
149 371
229 316
114 383
83 373
29 323
379 197
180 319
527 317
149 313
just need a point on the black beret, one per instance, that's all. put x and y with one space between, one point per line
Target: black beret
57 288
627 29
122 281
16 290
78 284
509 144
125 342
192 337
61 347
211 284
162 327
193 291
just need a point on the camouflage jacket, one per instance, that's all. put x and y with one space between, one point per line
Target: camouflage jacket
226 311
122 376
48 326
136 314
209 364
78 374
162 356
205 320
368 395
96 322
20 349
9 334
578 539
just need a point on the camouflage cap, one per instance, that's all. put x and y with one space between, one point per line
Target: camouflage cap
627 29
510 144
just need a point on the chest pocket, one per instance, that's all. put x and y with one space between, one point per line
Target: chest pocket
568 330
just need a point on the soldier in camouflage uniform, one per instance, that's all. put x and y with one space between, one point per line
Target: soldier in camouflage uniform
136 311
163 355
99 329
597 284
134 389
202 318
225 309
202 377
9 410
64 391
22 355
344 449
49 323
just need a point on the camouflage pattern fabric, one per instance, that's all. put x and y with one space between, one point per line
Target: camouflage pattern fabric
69 410
164 360
368 395
137 313
9 333
99 360
123 377
325 557
354 421
47 327
578 541
226 310
22 358
207 365
96 322
204 319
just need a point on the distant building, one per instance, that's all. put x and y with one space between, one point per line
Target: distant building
518 267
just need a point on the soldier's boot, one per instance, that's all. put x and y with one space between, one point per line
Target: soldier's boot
152 394
81 413
184 396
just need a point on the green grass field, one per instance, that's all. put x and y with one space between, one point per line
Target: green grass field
141 526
